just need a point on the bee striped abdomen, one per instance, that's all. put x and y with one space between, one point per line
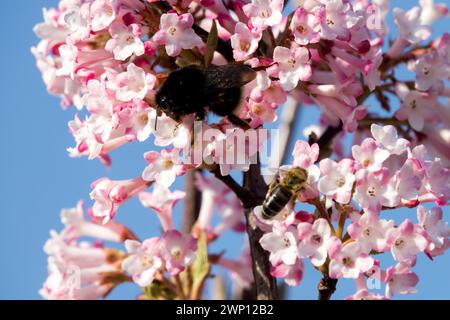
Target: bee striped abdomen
276 201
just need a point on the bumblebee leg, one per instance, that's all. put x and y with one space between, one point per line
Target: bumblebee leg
200 115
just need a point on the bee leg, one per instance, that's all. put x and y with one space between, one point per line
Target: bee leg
274 183
238 121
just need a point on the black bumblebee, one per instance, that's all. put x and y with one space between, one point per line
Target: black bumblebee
284 190
192 89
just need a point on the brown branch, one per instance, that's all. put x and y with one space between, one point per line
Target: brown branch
326 287
251 195
192 201
246 196
266 286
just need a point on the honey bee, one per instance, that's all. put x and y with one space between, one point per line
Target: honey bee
283 190
196 89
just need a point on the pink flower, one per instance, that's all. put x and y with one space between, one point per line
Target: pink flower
305 27
176 33
369 156
408 181
264 13
261 84
143 123
387 138
239 268
432 11
293 66
163 167
291 274
414 107
69 55
178 251
431 69
97 99
162 201
77 226
372 192
337 179
77 20
410 26
282 245
213 192
336 18
436 181
348 261
231 212
61 284
143 261
286 217
407 241
76 270
102 14
305 155
436 230
364 294
67 252
109 195
244 42
261 112
125 41
370 232
400 279
132 84
435 185
314 241
168 132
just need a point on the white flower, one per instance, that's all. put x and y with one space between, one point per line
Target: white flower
314 241
410 26
282 245
124 43
264 13
102 14
293 65
387 137
132 84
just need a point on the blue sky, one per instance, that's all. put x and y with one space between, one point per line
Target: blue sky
37 178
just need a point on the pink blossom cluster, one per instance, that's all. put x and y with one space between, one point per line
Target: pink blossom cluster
79 269
383 173
88 270
381 142
172 252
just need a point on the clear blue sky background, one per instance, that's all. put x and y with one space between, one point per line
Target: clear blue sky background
37 178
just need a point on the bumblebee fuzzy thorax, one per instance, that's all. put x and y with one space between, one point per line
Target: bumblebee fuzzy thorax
294 179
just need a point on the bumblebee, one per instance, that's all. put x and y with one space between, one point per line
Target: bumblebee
194 89
284 190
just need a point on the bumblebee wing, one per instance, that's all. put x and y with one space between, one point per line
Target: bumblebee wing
228 76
